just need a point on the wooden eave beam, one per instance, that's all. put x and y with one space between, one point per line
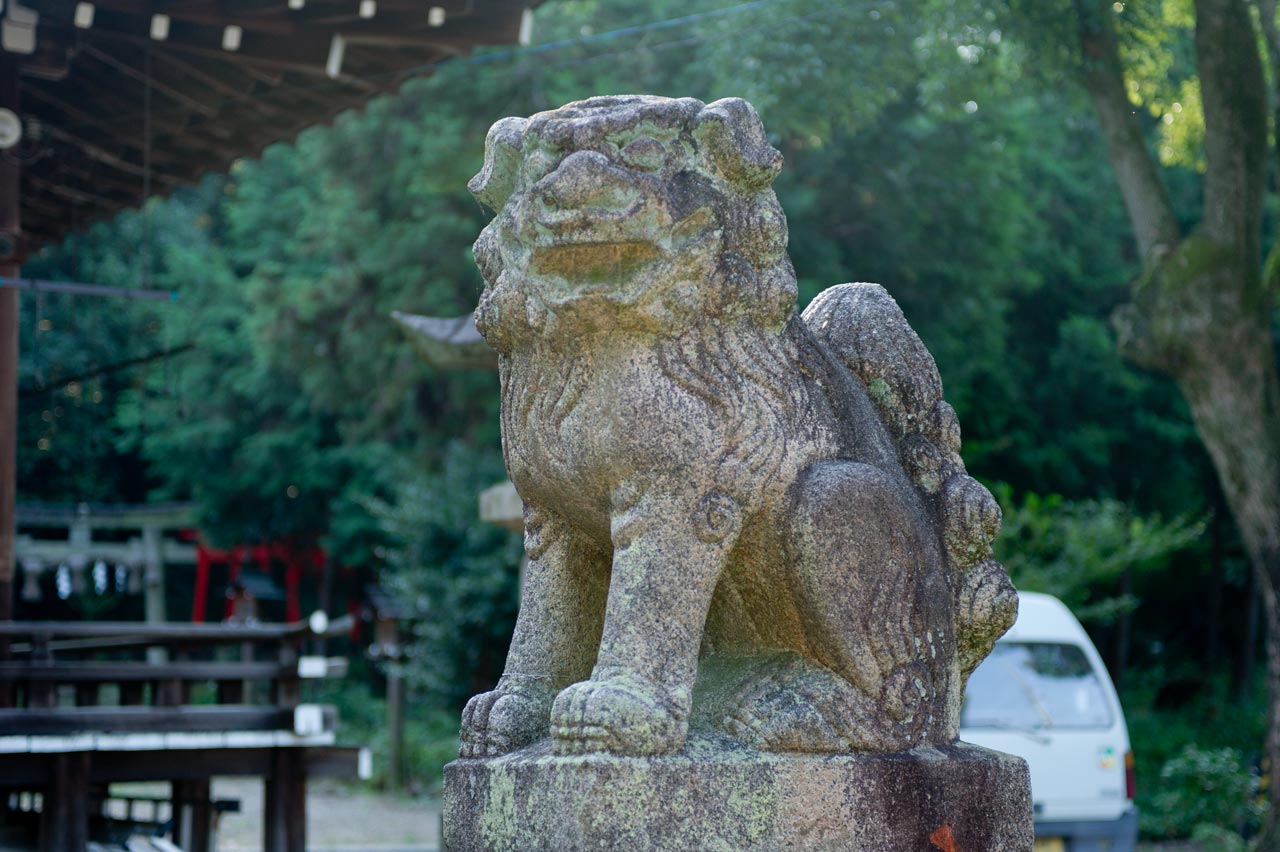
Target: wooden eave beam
127 68
51 59
86 198
130 185
307 57
265 76
214 133
236 85
277 22
108 132
74 117
323 10
219 143
221 76
306 50
209 104
122 152
414 12
94 151
75 174
460 33
33 203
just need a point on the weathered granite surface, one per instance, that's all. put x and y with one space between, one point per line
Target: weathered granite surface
742 523
718 797
709 479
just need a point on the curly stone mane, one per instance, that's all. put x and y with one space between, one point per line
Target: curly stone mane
735 314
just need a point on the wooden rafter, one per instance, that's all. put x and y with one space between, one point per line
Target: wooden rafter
85 86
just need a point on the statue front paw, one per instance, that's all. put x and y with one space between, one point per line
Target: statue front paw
618 715
503 720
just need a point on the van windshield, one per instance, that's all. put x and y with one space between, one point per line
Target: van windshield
1035 685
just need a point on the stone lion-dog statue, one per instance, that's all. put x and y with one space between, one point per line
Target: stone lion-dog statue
738 519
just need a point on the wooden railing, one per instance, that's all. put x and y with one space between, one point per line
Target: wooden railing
78 677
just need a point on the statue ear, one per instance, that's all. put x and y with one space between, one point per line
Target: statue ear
733 140
493 186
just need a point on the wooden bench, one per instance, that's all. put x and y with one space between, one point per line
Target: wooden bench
89 703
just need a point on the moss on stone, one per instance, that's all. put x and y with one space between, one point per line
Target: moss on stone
1195 257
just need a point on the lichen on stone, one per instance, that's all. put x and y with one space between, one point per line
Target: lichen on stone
718 490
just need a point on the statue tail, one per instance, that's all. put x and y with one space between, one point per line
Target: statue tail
864 328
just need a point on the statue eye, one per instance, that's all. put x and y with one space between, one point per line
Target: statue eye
644 153
485 252
538 164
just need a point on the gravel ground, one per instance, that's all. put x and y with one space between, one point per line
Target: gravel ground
338 818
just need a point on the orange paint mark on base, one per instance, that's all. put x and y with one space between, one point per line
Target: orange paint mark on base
943 839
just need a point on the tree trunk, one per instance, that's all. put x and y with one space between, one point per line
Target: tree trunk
1234 407
1201 312
1147 201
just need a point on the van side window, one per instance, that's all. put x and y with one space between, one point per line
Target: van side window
1034 685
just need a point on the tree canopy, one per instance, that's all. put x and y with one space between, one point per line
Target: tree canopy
938 148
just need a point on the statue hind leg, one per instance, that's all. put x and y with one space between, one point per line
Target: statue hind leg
876 609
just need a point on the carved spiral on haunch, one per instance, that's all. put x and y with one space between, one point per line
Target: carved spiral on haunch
716 518
904 695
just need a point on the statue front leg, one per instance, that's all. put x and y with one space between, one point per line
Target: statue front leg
557 630
669 550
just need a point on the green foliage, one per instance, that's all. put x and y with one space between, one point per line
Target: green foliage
430 734
1214 722
1201 790
73 444
456 576
288 268
1218 839
1077 551
916 156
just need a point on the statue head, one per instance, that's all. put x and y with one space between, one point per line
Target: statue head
630 213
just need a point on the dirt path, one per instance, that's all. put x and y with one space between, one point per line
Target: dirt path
338 818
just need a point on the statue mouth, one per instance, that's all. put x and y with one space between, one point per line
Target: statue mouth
594 261
573 219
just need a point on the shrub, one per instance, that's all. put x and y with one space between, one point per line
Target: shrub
1201 790
430 733
1212 838
455 576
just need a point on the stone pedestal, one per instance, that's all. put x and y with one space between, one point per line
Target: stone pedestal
718 796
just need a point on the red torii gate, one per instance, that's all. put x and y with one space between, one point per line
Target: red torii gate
294 557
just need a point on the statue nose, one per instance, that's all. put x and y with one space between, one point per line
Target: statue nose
584 179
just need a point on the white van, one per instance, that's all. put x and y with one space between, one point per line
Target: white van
1045 695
